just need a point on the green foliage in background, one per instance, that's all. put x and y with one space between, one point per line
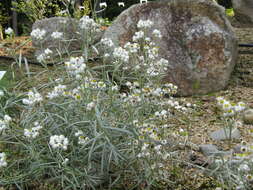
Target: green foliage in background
40 9
3 14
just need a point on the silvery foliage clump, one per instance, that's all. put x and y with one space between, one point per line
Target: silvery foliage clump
234 170
87 130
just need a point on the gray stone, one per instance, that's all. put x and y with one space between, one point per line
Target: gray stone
248 116
208 149
224 134
73 36
198 41
238 149
243 11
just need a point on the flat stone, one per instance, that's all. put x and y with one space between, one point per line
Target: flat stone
223 134
208 149
248 116
197 40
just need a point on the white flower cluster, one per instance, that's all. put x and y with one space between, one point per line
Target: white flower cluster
148 93
107 42
90 106
8 31
157 33
33 97
121 54
132 47
74 93
144 24
46 55
164 114
138 36
59 141
5 122
228 108
57 91
147 150
38 34
33 132
81 138
94 84
57 35
3 162
75 66
87 23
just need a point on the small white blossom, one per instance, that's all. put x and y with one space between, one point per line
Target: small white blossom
143 1
33 132
121 4
107 42
144 24
33 97
90 106
38 33
87 23
75 66
157 33
8 31
57 91
244 168
3 162
57 35
59 141
103 5
121 54
138 35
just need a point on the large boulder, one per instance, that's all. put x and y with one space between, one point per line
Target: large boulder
72 40
198 41
244 11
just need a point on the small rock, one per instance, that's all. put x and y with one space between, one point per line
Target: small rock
224 134
238 149
208 149
248 116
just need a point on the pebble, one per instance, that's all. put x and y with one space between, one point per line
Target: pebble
223 134
208 149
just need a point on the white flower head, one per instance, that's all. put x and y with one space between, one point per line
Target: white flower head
157 33
121 4
3 162
143 1
8 31
38 33
33 97
75 66
59 142
107 42
87 23
90 106
144 24
57 35
103 5
121 54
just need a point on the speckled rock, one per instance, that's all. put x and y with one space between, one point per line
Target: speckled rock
224 134
72 40
248 116
243 11
198 41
